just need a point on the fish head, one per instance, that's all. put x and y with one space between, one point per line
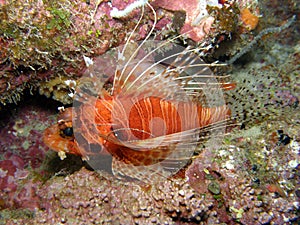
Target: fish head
60 137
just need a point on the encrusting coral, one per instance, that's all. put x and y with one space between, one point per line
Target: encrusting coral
249 19
43 41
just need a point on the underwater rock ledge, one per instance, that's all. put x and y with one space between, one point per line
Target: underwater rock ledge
42 43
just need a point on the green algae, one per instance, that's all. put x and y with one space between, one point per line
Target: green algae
7 214
214 188
61 19
26 144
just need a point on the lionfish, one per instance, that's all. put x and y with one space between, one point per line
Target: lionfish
147 105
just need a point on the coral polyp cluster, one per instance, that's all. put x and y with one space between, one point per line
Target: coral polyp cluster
59 88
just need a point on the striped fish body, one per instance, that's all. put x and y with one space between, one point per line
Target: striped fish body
149 122
149 117
122 122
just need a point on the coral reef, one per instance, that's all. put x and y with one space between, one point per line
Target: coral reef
21 132
46 41
24 160
41 40
60 88
101 200
197 22
22 152
252 178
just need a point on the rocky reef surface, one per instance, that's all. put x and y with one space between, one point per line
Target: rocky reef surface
43 43
252 178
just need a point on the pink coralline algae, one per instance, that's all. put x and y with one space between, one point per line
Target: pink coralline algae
21 138
86 197
13 194
22 152
197 23
246 204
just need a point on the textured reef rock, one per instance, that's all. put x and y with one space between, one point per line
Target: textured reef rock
22 152
42 43
24 158
252 179
104 200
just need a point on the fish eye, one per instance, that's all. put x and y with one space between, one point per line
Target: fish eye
68 131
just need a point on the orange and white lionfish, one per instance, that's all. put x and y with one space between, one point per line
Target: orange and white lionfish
146 105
